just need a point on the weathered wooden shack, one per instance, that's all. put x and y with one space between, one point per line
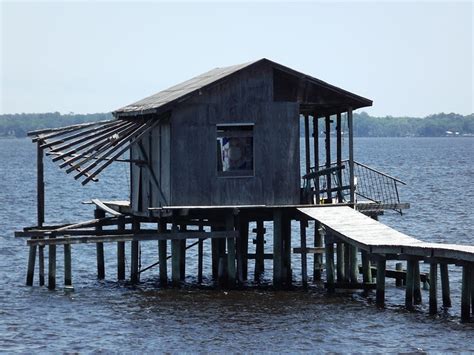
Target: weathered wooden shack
214 154
229 137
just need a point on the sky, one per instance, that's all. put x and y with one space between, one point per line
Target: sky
410 58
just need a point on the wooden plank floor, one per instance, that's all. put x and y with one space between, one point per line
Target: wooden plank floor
375 237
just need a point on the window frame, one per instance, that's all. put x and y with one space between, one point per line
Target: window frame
236 173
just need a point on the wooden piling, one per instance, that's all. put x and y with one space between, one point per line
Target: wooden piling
67 266
416 283
121 252
134 259
466 293
244 246
433 288
41 265
175 259
214 257
354 269
231 269
347 262
182 257
328 240
445 291
259 250
410 280
380 291
399 281
200 259
304 272
277 247
52 267
318 243
328 157
31 266
287 271
40 183
366 268
162 255
340 268
99 213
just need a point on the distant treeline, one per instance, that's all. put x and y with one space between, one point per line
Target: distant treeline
438 125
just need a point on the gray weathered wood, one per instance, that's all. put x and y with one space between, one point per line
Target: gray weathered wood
351 154
40 184
433 288
445 289
304 264
31 266
41 265
52 267
162 255
67 266
121 252
98 214
416 284
380 292
231 269
366 268
466 293
330 280
277 248
410 284
340 249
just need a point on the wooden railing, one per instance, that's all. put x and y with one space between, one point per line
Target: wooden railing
371 185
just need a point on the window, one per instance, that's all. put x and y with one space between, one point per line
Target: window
235 150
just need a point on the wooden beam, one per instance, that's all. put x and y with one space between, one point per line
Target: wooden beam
40 184
380 292
162 255
98 214
316 155
328 157
65 128
306 144
351 154
433 288
445 291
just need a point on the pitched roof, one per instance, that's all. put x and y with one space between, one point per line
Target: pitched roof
180 92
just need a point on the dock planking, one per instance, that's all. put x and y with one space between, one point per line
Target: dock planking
368 234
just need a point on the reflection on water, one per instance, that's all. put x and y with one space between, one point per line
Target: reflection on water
111 316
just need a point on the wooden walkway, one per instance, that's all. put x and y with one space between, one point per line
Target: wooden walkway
352 230
372 236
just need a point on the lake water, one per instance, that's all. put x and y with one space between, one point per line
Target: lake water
114 317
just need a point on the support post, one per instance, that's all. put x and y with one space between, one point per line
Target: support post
182 257
99 213
31 266
277 247
445 291
259 250
433 288
318 258
347 262
175 259
416 284
231 269
304 272
328 158
366 268
52 267
354 270
162 255
67 266
214 257
328 240
200 255
380 291
134 259
41 264
351 155
244 245
410 280
399 281
340 262
121 252
339 156
287 271
466 293
306 144
40 183
316 163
